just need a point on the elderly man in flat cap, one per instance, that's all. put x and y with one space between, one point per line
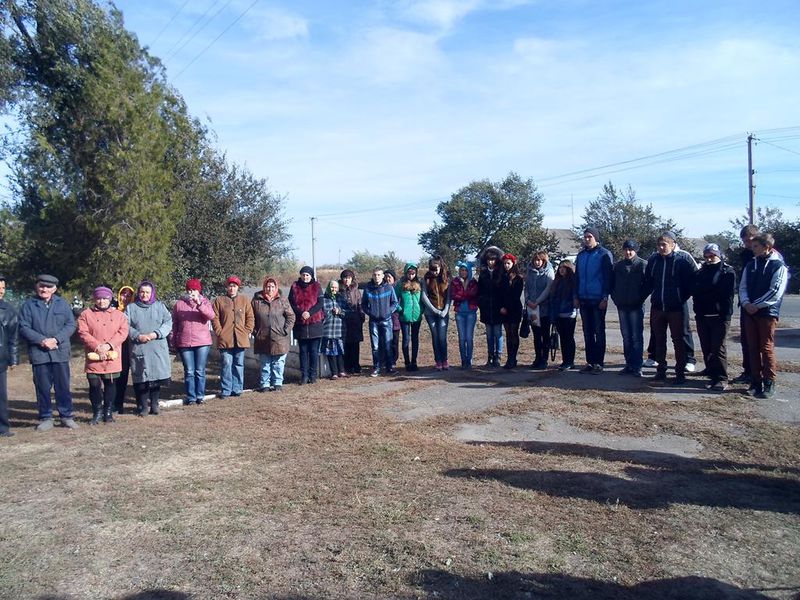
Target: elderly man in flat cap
46 323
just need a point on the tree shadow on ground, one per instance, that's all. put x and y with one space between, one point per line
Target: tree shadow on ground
164 594
512 585
650 458
645 488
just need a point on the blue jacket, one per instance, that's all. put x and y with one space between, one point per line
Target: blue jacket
763 284
593 268
378 301
38 321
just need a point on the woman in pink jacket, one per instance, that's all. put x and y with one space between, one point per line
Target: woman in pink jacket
191 337
102 331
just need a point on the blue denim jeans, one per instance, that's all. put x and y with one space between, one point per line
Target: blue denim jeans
438 327
194 371
594 332
494 339
271 369
380 337
631 324
231 378
465 322
52 375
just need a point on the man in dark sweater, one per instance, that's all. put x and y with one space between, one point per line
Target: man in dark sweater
627 292
714 285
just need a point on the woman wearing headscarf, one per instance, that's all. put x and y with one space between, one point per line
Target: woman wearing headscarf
353 321
511 309
102 330
305 296
409 310
274 321
436 303
333 329
125 296
149 324
465 306
191 337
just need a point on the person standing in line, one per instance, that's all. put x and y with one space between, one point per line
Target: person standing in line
333 329
628 294
761 292
436 306
233 323
305 297
563 311
464 292
125 296
538 280
9 354
353 321
747 234
669 278
149 324
191 338
378 303
102 330
46 323
490 301
274 319
396 327
409 310
511 310
593 272
712 300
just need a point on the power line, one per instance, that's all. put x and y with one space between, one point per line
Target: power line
164 28
214 41
202 27
779 196
380 233
197 22
763 141
389 208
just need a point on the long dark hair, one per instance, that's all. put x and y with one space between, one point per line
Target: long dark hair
564 283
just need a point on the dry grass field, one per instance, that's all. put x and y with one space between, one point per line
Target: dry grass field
319 492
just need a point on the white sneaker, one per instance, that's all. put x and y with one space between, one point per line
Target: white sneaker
690 367
650 363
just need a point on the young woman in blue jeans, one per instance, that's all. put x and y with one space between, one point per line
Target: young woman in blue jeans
464 292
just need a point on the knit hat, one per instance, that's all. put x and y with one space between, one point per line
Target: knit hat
308 270
712 249
390 272
630 245
103 292
669 234
233 279
509 256
194 284
594 231
409 267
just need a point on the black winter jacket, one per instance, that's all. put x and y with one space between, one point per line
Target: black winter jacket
9 349
714 286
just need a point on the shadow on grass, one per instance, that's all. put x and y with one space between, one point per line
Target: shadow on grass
650 458
645 488
512 585
163 594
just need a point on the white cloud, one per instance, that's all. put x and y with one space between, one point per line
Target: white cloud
277 24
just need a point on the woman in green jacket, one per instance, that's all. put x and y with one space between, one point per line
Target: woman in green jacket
409 292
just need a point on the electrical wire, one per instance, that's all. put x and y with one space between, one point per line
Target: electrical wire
214 41
164 28
172 50
202 27
763 141
389 208
380 233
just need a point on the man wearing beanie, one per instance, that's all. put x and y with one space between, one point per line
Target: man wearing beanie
669 278
628 294
46 323
714 285
593 272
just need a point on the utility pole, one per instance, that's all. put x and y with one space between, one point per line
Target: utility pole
572 205
751 188
313 249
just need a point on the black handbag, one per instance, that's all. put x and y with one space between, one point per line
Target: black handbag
525 327
554 343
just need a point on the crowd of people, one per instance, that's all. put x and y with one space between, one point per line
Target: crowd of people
131 334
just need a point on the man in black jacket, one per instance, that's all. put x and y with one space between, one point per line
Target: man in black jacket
627 292
714 285
9 355
669 280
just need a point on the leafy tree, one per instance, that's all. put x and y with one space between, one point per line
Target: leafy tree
619 215
233 225
507 214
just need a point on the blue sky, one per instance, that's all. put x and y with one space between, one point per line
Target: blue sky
393 106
